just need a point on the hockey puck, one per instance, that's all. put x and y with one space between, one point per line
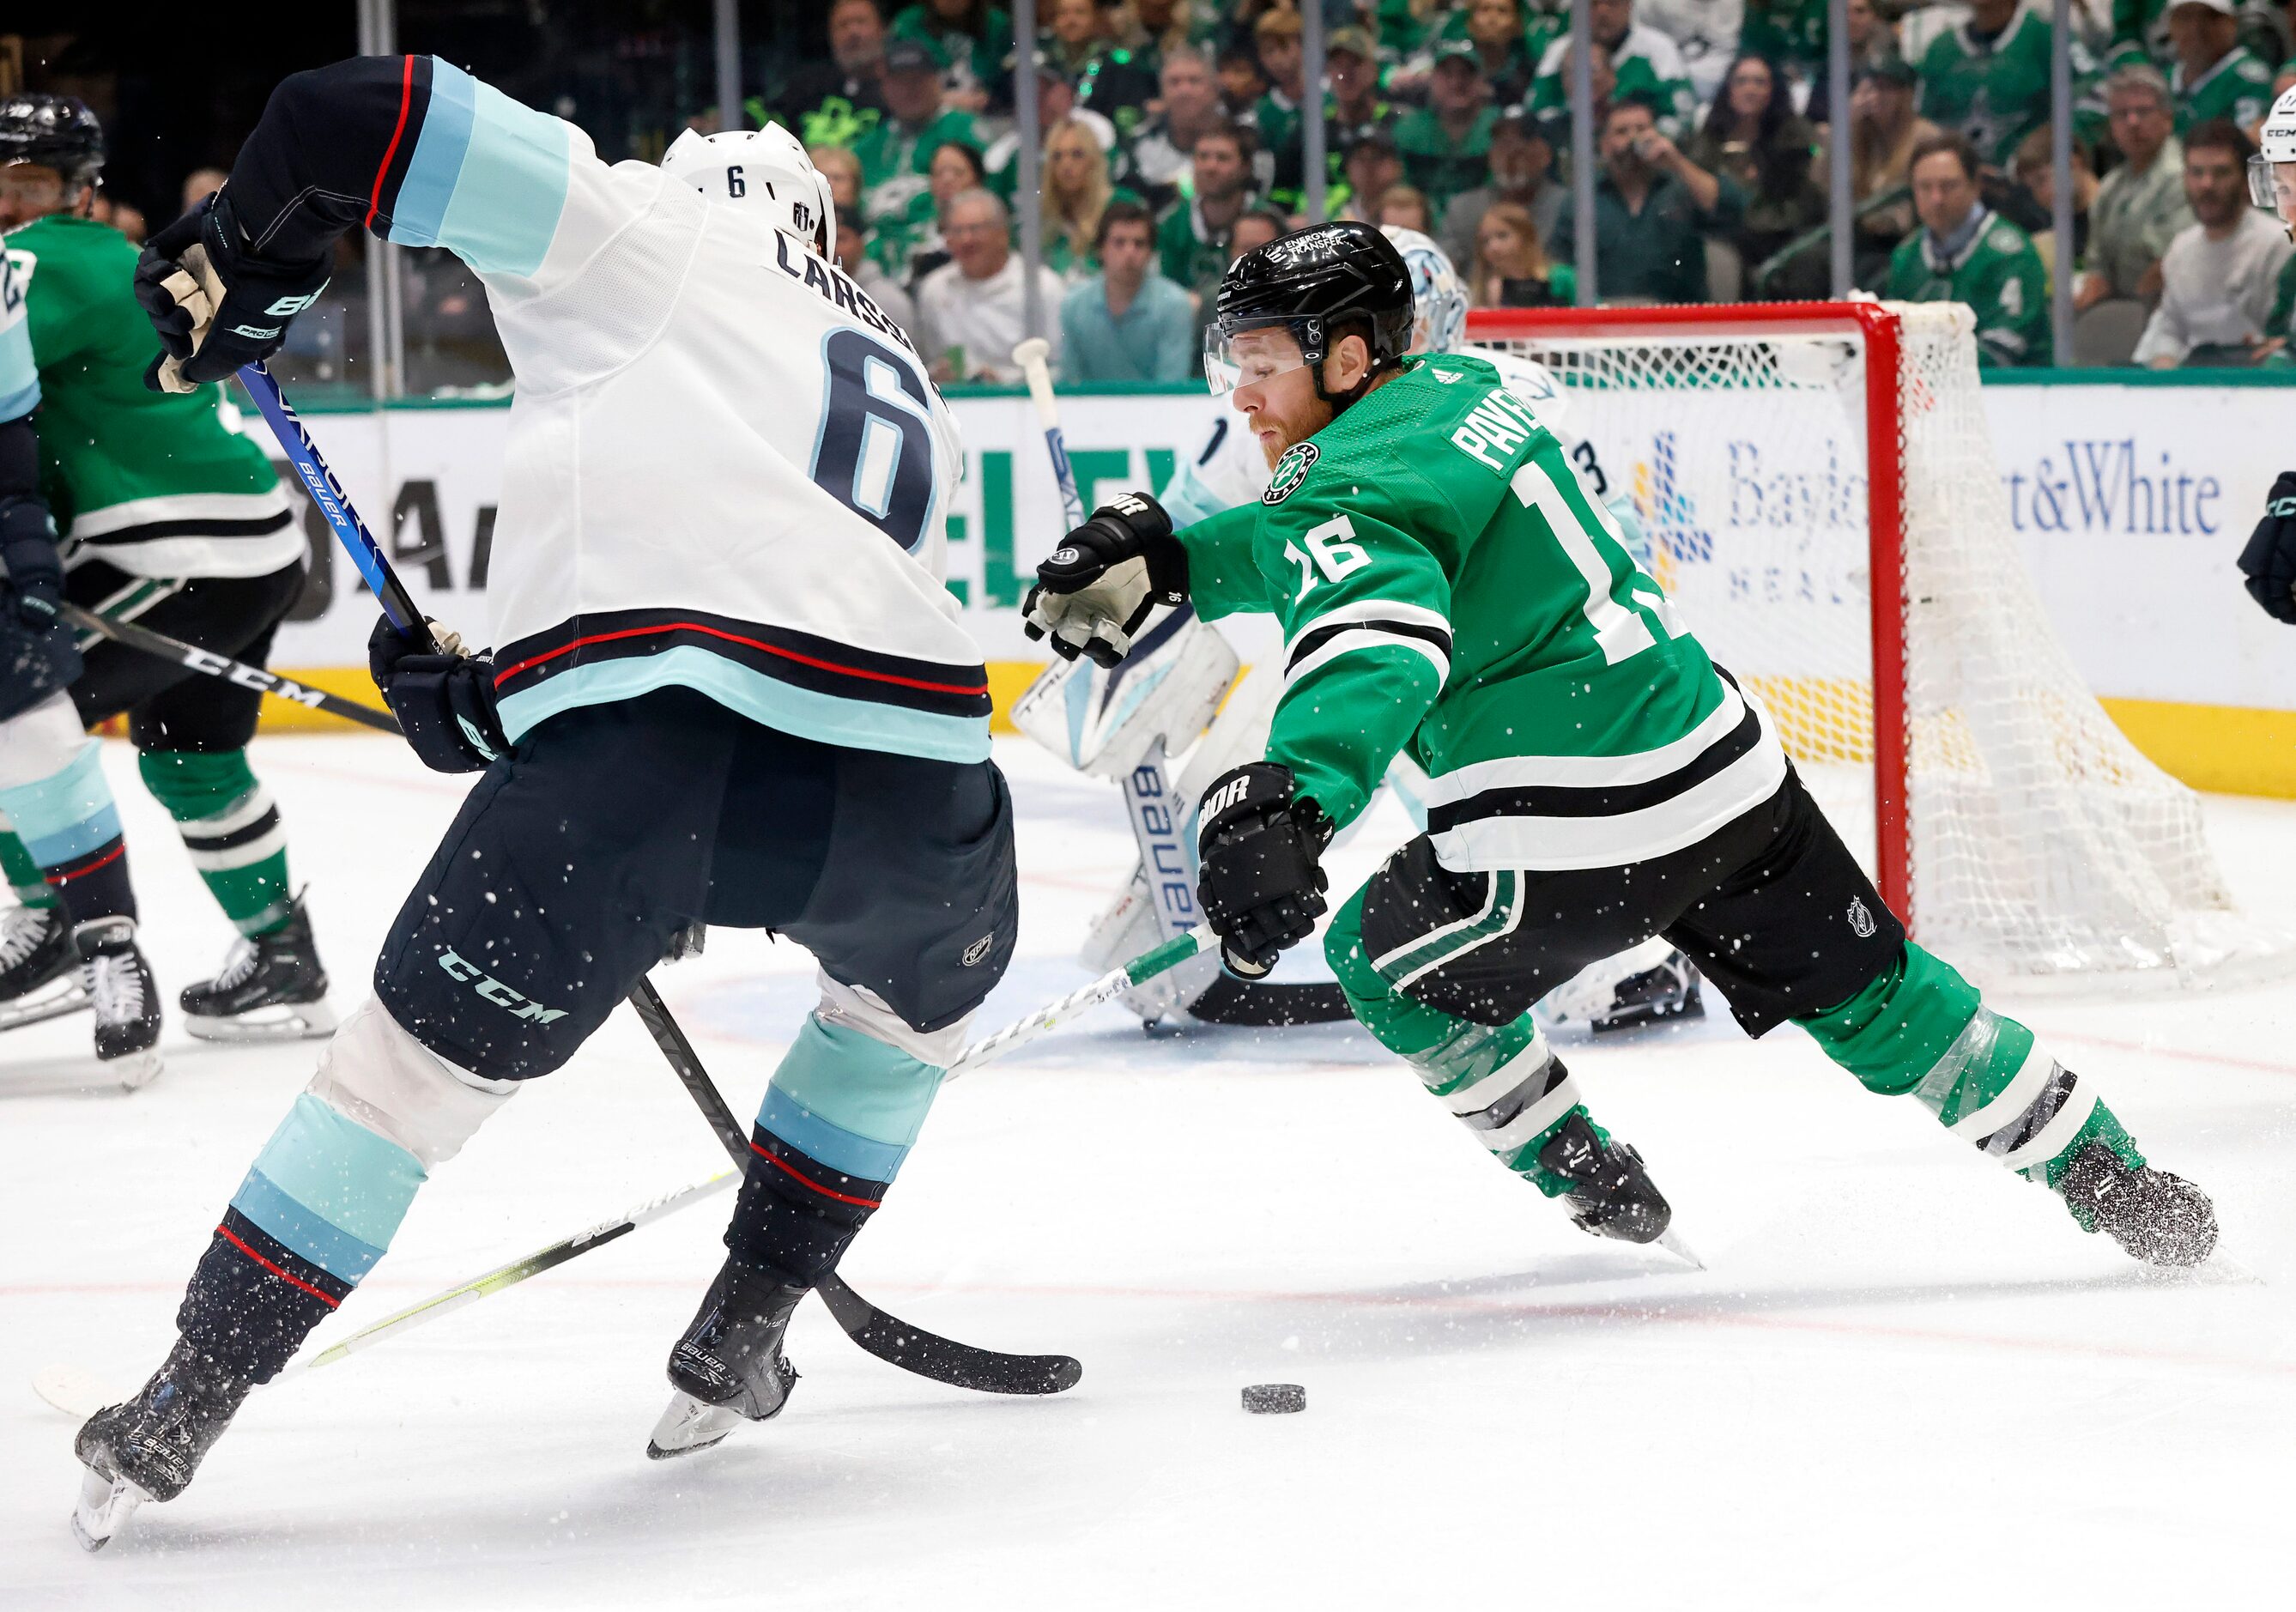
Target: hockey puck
1275 1399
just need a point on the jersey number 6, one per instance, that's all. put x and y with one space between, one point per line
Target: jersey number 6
875 455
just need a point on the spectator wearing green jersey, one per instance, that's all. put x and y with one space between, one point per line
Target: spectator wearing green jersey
1707 33
1789 34
1962 251
1989 79
1353 111
2215 76
1652 209
836 102
1282 58
1648 64
2140 33
897 153
1127 322
2219 279
970 39
1164 148
1191 243
1501 41
1446 145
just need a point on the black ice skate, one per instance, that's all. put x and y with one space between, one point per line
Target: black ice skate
1611 1195
1669 991
39 978
148 1448
272 989
728 1368
116 978
2157 1217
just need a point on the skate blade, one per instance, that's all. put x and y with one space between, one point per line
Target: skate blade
1673 1244
133 1070
69 997
105 1505
78 1394
280 1021
688 1425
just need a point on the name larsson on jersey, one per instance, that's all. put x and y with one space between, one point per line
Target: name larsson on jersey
831 286
1499 424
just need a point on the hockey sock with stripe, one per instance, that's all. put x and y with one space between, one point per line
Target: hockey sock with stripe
232 828
1922 1029
841 1113
71 827
1501 1081
23 874
317 1209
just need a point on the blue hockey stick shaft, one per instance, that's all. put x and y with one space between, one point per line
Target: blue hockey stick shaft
1034 357
334 503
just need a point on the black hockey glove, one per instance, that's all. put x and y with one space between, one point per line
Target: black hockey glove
2269 560
1099 585
38 656
1260 883
444 699
215 305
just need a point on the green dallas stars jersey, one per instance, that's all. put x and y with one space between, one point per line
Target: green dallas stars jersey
2237 86
1998 274
154 482
1997 91
1446 585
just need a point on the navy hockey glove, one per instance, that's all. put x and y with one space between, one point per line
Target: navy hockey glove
1261 883
443 698
28 548
2269 560
1099 585
215 305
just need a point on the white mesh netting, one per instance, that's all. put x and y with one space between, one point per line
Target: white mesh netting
2040 842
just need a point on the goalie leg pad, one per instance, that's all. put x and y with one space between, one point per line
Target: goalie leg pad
1103 721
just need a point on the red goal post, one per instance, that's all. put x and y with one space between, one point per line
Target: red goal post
1876 328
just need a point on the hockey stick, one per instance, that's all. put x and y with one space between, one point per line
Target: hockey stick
138 637
869 1330
1032 356
895 1342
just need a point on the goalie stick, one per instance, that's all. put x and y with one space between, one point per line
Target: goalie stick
335 505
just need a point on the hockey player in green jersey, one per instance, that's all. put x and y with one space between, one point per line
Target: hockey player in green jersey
1963 251
1446 584
171 519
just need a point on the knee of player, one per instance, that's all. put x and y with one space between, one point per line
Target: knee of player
379 1073
1892 1032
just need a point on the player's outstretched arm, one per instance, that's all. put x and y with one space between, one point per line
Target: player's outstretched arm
410 147
1093 592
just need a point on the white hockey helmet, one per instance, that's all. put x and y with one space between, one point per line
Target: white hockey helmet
2267 186
765 168
1440 310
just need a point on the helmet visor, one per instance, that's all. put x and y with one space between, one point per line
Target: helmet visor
1234 358
2260 188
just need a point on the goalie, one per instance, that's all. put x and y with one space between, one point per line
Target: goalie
1117 722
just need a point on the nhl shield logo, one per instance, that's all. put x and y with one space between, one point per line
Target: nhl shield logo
1861 918
978 949
1291 470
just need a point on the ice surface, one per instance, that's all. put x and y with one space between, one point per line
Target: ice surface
1905 1380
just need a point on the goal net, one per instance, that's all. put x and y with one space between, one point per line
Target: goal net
1817 486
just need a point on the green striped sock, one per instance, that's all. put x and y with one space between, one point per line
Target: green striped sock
1920 1029
230 826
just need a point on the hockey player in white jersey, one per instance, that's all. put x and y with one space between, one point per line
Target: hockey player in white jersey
731 690
1103 721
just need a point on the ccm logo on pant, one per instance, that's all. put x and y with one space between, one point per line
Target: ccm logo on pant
493 990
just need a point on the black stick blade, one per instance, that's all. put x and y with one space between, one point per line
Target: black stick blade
927 1354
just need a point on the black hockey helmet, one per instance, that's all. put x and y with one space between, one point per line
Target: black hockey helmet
1313 282
54 131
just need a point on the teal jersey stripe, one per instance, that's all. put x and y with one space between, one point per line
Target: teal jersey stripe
19 374
829 719
67 813
309 1234
849 1099
357 1181
489 177
16 404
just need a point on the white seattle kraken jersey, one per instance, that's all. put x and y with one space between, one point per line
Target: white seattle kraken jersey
725 469
1229 469
19 376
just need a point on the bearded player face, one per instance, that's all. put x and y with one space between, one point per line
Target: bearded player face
1276 390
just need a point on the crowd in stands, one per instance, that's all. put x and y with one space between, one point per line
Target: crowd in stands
1173 138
